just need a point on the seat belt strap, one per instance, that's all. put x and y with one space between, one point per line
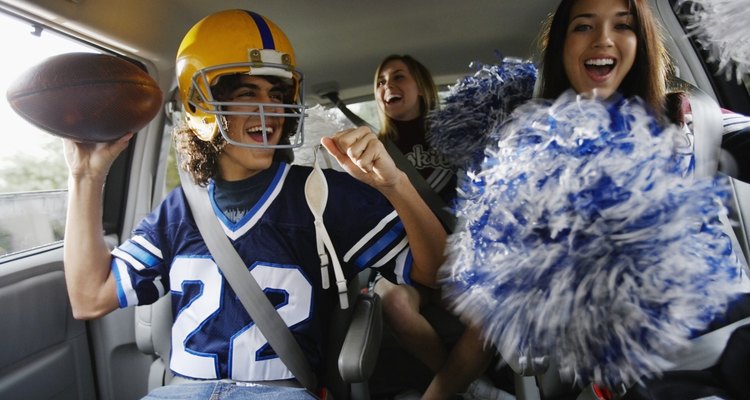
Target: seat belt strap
707 128
243 283
433 200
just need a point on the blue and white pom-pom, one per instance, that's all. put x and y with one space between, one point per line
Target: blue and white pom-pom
477 103
721 27
584 242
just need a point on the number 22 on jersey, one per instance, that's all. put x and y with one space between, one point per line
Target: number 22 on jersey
246 344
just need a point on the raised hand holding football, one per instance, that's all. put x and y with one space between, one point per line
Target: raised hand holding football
86 97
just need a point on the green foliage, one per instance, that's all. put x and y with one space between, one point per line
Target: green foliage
42 168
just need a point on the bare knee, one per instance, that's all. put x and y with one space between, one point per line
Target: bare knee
400 305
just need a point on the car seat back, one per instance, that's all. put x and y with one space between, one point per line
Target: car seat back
153 333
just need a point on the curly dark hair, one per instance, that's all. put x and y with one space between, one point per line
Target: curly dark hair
200 158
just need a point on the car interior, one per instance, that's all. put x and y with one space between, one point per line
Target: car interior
47 354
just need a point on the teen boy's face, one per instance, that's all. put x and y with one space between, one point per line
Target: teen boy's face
600 46
241 162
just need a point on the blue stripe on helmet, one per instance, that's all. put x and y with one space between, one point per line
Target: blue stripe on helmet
265 31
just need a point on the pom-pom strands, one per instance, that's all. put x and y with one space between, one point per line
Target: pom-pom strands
721 27
583 241
477 103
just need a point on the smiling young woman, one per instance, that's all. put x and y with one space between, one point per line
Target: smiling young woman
600 46
620 34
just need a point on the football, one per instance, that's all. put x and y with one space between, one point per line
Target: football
86 97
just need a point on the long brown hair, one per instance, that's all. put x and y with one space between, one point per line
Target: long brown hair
647 77
425 84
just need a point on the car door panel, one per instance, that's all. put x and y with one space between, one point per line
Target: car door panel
44 351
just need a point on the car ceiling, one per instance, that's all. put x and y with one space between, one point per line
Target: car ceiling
338 41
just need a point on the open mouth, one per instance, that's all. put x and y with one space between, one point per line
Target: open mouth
600 67
256 133
392 98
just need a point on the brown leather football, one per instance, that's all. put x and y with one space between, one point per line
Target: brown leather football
86 97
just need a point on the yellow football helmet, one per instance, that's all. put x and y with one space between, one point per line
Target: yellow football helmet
231 42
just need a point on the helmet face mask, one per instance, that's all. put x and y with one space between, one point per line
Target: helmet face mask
205 102
237 42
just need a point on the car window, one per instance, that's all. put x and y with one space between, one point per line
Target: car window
367 110
33 174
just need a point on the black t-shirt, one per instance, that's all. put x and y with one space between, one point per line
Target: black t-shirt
434 168
236 198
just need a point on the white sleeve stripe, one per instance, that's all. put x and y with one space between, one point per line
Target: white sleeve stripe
141 240
392 253
400 267
736 126
439 179
371 234
124 283
128 258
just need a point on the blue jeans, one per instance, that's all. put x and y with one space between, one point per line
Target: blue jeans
228 391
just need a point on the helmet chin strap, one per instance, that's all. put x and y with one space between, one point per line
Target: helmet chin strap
316 194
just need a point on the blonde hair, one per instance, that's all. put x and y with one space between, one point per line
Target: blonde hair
426 86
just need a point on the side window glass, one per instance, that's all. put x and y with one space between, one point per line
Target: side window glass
33 174
367 110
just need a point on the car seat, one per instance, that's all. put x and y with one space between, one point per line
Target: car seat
540 380
354 342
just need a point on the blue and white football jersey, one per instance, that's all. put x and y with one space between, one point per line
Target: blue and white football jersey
213 337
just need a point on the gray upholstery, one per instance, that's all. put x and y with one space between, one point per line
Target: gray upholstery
153 330
359 351
44 354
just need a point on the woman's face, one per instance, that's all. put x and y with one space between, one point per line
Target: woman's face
396 91
600 46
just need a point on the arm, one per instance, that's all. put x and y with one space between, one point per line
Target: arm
89 278
364 157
